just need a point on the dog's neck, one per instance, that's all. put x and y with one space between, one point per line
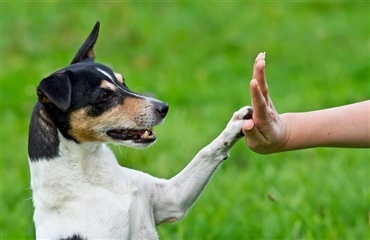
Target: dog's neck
59 163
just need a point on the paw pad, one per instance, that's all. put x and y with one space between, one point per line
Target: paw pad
249 114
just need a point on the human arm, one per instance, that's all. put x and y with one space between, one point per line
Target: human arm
270 132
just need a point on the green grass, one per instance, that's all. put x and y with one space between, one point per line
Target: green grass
197 56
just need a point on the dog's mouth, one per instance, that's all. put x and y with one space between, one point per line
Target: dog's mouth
138 136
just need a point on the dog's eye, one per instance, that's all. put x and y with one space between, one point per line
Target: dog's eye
105 95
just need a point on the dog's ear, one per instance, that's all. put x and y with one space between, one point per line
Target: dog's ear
86 51
56 89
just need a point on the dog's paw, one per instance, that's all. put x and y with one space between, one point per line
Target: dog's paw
243 114
233 131
234 127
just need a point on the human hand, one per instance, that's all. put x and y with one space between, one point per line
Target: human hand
267 132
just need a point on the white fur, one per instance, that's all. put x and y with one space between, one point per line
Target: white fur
85 192
105 73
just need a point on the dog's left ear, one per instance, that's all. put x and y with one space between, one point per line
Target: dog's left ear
56 89
86 51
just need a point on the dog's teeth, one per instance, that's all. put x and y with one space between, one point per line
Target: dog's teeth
145 135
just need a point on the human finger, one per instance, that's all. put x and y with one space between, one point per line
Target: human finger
259 104
248 125
260 56
259 70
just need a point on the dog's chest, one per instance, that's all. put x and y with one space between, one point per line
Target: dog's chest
97 213
110 204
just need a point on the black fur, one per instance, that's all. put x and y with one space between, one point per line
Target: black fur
74 237
69 89
82 81
43 141
86 51
56 89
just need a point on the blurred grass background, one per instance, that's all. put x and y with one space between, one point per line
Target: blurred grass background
198 57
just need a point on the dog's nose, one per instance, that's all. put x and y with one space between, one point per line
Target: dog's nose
162 108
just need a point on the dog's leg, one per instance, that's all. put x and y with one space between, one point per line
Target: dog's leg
173 197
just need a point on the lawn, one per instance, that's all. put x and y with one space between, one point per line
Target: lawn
198 57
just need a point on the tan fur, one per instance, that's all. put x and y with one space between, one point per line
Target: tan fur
119 77
91 53
127 115
42 97
107 85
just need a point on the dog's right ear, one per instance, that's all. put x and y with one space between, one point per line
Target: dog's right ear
56 89
86 51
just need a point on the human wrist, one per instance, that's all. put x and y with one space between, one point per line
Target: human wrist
286 133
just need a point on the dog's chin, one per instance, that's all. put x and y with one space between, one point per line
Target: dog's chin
132 144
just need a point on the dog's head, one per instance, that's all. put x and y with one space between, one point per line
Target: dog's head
90 103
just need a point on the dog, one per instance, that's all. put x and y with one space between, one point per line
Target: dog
79 190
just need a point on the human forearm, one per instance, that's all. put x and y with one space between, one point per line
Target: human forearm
271 132
345 126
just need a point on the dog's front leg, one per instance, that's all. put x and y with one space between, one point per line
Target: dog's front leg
173 197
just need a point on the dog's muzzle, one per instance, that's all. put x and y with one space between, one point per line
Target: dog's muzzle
144 135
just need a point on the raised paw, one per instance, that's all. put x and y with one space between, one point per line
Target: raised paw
233 130
243 113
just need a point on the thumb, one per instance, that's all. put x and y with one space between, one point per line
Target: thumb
247 126
250 131
253 137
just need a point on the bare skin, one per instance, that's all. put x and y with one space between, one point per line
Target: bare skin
270 132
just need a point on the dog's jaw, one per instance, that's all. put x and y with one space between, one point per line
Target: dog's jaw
132 144
135 138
